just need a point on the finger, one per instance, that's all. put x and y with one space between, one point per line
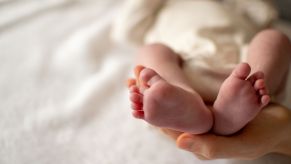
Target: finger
210 146
137 71
131 82
172 133
201 157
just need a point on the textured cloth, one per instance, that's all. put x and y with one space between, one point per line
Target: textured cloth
210 43
62 93
211 36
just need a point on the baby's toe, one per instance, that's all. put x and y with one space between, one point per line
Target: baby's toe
263 91
148 77
138 114
256 76
134 89
259 84
242 71
265 99
136 98
136 106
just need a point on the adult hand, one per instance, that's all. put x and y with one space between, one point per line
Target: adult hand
172 133
269 132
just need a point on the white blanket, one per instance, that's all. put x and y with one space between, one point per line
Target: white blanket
62 91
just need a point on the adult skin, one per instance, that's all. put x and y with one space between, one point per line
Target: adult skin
269 132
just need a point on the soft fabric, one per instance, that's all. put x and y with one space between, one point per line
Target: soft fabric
62 94
211 36
210 43
62 89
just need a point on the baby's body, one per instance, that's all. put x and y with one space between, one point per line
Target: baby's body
162 95
186 83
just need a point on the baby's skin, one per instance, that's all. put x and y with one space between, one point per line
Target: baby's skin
240 99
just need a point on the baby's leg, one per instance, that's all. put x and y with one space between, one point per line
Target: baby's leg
270 53
241 98
162 92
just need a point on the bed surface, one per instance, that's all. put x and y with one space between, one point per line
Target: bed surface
62 91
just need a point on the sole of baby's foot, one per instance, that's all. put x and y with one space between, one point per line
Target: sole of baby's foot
239 100
168 106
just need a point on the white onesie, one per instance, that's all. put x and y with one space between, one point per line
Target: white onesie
211 36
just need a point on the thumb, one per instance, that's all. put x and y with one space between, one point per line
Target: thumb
209 146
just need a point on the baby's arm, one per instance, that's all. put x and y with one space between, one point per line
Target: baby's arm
135 18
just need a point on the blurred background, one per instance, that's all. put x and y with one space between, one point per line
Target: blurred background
62 88
283 7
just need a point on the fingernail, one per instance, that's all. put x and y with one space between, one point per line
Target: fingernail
186 143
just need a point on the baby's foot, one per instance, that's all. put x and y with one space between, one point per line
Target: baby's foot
165 105
239 100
